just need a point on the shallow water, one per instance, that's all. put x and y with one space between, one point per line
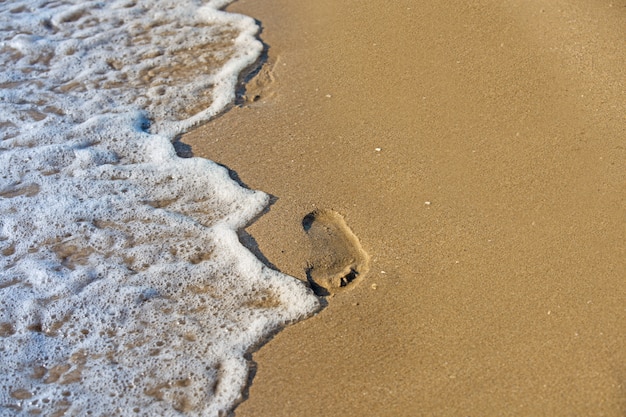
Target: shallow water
124 287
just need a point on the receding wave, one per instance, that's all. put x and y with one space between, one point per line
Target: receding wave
124 289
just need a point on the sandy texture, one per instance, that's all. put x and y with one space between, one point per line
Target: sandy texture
477 150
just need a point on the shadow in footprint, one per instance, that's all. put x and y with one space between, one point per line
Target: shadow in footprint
337 260
183 150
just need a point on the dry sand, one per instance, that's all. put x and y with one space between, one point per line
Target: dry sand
477 149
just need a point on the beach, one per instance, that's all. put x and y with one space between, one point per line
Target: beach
476 150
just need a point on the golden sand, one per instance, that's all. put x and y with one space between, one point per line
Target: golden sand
477 151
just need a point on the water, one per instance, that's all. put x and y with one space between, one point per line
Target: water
124 289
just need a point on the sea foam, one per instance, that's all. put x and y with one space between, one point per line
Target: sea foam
124 289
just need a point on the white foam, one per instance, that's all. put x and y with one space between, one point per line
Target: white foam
124 288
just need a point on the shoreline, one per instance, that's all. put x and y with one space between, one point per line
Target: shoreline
475 151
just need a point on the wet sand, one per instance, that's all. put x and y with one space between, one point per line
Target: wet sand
477 151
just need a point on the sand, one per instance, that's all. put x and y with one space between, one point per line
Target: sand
476 149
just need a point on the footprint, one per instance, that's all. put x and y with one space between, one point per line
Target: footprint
336 261
257 84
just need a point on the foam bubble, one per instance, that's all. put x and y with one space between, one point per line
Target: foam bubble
124 288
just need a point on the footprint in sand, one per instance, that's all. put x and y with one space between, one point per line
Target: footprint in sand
336 260
257 84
